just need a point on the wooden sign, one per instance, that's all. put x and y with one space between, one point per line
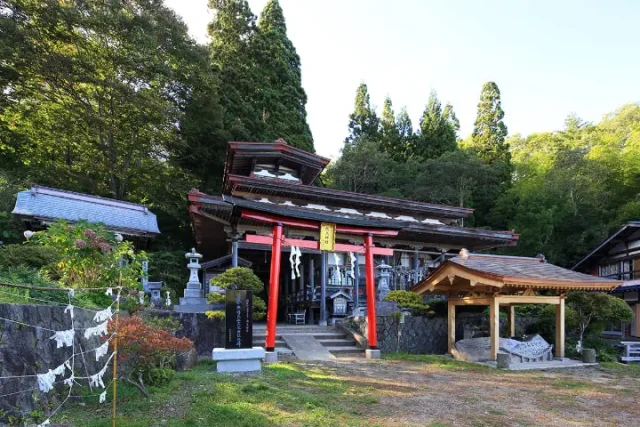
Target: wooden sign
327 236
239 320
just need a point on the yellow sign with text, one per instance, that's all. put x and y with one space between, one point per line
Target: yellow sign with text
327 236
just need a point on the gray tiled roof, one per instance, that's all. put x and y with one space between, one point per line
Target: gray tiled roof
48 204
524 268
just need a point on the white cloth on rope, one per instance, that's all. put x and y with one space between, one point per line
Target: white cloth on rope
141 297
69 381
336 259
95 380
102 350
168 300
44 423
72 293
103 315
63 338
97 331
109 291
46 381
103 396
70 310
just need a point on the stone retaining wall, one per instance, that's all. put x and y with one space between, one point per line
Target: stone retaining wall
426 335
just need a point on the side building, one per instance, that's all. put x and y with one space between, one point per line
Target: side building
618 257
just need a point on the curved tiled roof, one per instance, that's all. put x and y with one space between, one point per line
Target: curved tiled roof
49 204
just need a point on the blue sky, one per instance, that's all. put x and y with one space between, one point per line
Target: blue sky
549 58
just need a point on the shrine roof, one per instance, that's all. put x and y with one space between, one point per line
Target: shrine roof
270 188
44 205
242 157
511 271
410 228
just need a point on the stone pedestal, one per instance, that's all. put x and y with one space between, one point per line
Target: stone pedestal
270 356
239 360
588 355
372 354
503 361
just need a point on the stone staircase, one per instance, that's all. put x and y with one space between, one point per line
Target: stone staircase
335 342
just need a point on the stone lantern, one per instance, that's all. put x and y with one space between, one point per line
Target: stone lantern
193 301
383 274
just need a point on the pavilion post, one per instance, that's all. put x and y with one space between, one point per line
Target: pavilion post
512 321
234 249
494 327
371 293
308 296
274 287
323 289
451 326
559 350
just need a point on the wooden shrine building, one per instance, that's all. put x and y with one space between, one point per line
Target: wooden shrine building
270 205
497 280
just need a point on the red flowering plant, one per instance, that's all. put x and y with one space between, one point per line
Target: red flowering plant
90 256
146 354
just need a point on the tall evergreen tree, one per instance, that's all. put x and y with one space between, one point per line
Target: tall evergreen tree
437 130
389 133
405 126
234 63
363 122
489 130
281 99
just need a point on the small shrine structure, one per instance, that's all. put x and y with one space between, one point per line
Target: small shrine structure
498 280
332 238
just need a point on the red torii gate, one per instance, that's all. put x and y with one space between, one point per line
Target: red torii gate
276 241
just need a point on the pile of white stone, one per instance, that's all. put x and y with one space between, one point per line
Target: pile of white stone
531 349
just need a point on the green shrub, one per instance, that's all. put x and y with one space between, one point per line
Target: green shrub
241 278
216 298
168 324
216 314
158 376
27 256
408 300
605 351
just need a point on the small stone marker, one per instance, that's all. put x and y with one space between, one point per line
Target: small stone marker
588 355
503 361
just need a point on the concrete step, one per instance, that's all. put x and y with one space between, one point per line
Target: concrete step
337 343
345 349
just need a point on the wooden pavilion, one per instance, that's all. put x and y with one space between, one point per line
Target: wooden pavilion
269 204
497 280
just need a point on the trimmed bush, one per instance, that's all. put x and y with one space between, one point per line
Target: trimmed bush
410 301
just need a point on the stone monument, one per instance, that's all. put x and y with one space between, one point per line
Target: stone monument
193 301
238 354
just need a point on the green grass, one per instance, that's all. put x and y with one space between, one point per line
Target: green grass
570 384
438 361
283 394
626 370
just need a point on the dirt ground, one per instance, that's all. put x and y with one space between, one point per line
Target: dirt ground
414 393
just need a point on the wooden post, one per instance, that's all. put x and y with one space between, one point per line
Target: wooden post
512 321
115 355
560 328
323 289
451 328
494 328
274 288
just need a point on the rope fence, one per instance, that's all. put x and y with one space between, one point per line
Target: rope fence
71 338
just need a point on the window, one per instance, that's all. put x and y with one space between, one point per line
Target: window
620 270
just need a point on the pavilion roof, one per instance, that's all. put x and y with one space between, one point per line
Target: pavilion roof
469 269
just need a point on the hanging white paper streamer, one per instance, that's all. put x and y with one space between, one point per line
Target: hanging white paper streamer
69 381
102 350
293 262
63 338
298 262
141 297
103 396
168 300
70 310
72 293
98 331
109 291
336 259
103 315
353 265
95 380
45 381
44 423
